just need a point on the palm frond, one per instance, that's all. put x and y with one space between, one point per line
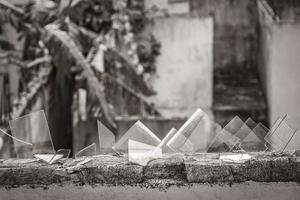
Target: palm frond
62 46
7 5
20 105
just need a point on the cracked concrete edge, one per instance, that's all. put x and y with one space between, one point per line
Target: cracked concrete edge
169 170
261 168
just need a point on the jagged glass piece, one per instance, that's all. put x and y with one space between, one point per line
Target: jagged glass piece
179 142
242 133
16 140
254 141
106 139
222 142
52 158
64 152
87 151
138 132
294 143
280 135
141 153
272 129
245 129
163 144
32 128
188 147
202 135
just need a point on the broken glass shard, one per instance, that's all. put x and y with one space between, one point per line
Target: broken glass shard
272 129
181 136
245 129
294 144
64 152
141 153
188 147
52 158
163 144
138 132
242 133
106 139
280 135
254 141
47 157
261 131
225 139
202 135
32 128
4 133
87 151
73 168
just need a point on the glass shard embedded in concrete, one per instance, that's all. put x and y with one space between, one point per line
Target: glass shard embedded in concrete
254 141
245 129
141 153
203 134
294 143
272 130
52 158
225 139
138 132
242 133
162 146
32 128
87 151
280 134
106 139
3 133
181 138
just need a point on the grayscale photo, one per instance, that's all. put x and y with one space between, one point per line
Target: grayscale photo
149 99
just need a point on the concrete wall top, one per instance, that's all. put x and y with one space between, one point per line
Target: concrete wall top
170 170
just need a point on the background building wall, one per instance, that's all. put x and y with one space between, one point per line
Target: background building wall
236 88
235 35
185 66
281 69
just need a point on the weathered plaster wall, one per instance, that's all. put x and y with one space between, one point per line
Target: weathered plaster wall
280 60
234 30
234 45
185 66
235 24
236 88
281 69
